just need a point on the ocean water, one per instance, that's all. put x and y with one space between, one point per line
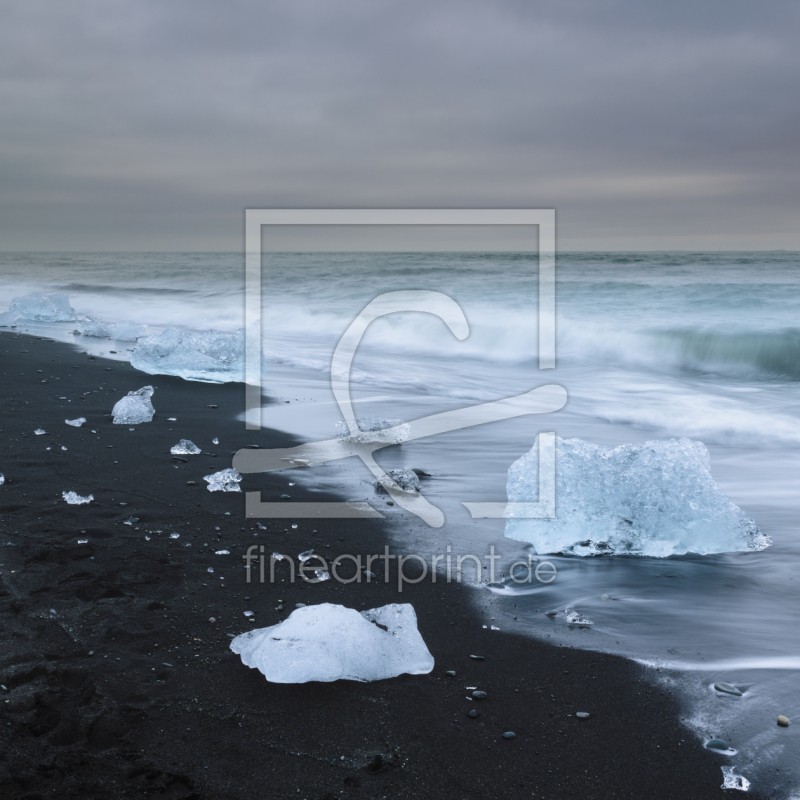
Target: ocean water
649 346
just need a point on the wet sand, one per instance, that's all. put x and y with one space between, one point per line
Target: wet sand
118 685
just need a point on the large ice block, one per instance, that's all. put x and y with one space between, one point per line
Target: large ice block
134 408
654 499
329 642
43 307
90 326
194 355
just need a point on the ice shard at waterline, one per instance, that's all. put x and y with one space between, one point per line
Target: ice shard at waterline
134 408
329 642
653 499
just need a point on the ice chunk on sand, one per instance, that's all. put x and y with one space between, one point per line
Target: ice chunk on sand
76 423
2 479
43 307
730 780
329 642
376 430
653 499
134 408
75 499
406 479
226 480
8 318
128 332
95 327
185 448
200 355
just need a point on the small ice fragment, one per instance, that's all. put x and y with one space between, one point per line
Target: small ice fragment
134 408
39 431
48 448
329 642
582 714
226 480
63 447
215 440
277 556
91 326
730 780
54 612
75 499
222 552
130 521
574 618
305 555
43 307
406 479
494 627
2 479
260 526
174 536
76 423
322 574
128 332
171 419
248 613
185 448
83 541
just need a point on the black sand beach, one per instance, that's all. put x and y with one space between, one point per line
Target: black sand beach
118 685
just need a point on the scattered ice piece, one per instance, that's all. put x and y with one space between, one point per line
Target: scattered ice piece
48 448
43 307
215 440
174 536
222 552
130 520
2 479
95 327
211 569
185 448
171 419
75 499
128 332
83 541
574 618
63 447
329 642
277 556
730 780
260 526
201 356
582 714
406 479
39 431
376 430
655 499
322 575
248 613
494 627
294 525
227 480
134 408
305 555
76 423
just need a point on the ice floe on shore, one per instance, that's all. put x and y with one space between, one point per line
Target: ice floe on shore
654 499
39 307
329 642
134 408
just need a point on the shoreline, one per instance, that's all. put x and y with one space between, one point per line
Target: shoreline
121 723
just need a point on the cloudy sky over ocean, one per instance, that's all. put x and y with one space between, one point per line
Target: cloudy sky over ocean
152 125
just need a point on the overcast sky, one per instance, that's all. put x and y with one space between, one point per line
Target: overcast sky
153 124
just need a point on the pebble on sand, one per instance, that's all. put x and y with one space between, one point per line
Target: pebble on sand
783 721
509 735
479 695
472 714
582 714
717 744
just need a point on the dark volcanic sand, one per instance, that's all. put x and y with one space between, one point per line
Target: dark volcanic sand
120 723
